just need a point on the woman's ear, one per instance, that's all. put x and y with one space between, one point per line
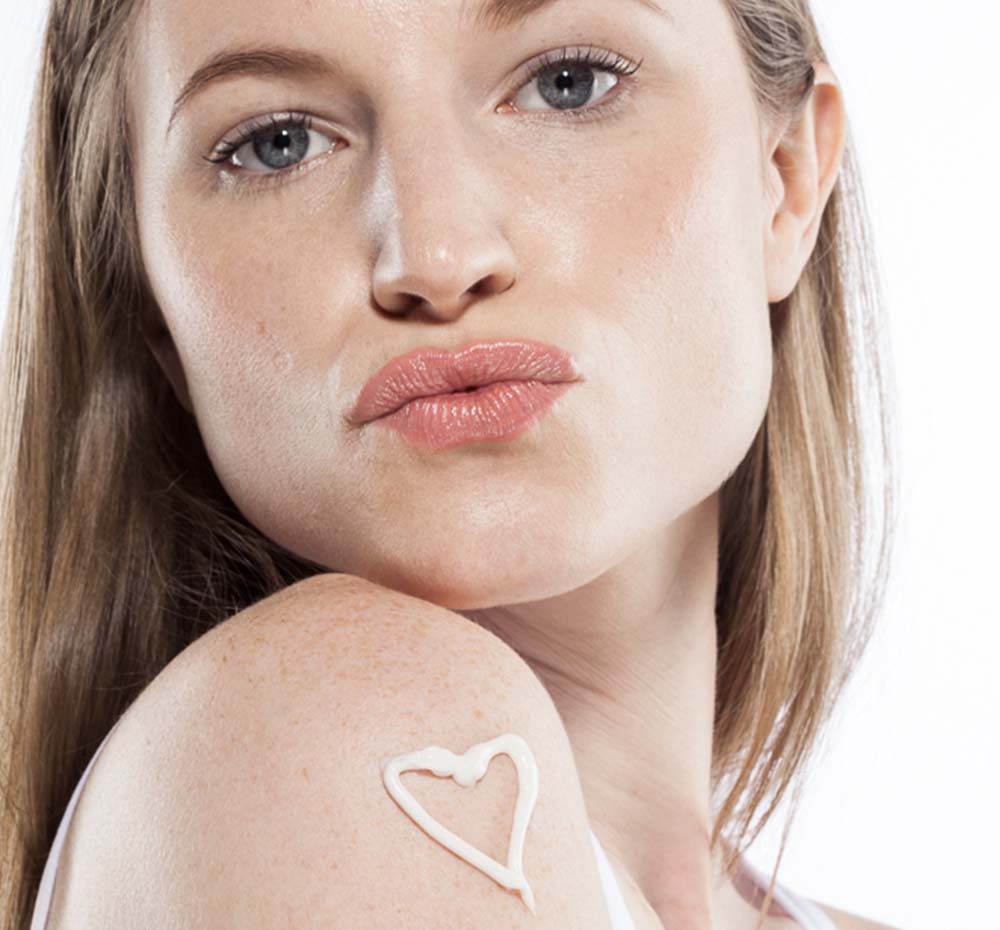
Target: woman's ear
161 344
804 165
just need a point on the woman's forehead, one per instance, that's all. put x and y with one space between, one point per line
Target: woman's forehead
177 41
181 33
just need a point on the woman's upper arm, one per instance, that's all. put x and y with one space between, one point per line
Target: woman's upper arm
246 788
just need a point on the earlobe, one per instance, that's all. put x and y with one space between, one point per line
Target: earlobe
805 163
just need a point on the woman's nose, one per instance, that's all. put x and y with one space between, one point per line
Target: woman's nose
441 241
441 275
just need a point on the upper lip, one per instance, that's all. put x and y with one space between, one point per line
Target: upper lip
428 371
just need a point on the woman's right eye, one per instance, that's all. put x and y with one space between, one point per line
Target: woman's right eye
278 144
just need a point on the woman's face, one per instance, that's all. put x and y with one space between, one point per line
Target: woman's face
627 225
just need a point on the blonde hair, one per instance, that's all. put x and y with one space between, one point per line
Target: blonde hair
119 546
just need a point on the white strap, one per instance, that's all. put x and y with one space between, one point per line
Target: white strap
807 914
43 900
621 917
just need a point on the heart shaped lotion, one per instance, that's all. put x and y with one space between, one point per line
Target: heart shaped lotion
466 770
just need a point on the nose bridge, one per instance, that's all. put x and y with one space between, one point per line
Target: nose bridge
425 163
432 197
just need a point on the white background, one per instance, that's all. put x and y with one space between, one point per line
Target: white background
900 820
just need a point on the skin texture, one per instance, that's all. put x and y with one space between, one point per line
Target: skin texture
647 241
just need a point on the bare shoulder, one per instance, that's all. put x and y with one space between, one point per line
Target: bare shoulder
247 785
847 921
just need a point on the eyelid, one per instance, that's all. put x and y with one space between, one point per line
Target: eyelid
594 56
238 137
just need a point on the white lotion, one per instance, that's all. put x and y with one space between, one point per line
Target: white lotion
467 769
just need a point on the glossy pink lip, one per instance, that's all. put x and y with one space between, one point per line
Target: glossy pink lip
435 371
501 411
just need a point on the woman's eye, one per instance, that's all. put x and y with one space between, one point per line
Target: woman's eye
569 79
281 143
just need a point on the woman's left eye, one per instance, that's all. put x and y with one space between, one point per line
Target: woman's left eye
565 81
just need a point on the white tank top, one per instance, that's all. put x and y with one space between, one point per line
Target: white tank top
808 915
805 912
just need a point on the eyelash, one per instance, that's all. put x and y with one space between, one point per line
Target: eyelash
589 56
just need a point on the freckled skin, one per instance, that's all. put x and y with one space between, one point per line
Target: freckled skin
648 242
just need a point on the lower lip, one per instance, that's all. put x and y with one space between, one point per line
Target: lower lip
498 411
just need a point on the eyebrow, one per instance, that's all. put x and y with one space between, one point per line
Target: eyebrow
276 60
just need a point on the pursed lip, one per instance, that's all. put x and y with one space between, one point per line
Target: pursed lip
431 370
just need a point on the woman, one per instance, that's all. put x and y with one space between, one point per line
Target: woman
252 238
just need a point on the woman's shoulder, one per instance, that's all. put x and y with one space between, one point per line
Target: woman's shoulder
248 783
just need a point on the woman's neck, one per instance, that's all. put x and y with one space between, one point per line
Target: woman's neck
629 659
